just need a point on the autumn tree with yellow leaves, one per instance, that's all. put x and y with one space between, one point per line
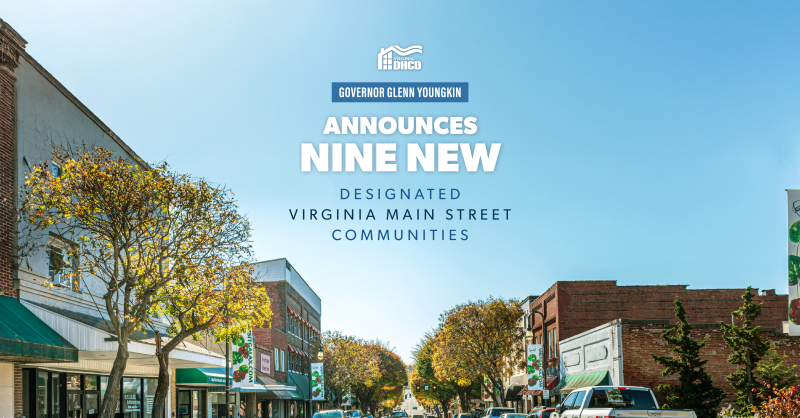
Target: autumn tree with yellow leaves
158 242
482 338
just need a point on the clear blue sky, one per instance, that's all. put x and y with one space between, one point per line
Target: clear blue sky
644 142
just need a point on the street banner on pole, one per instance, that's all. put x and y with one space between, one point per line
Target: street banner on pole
794 261
347 400
317 382
242 360
535 374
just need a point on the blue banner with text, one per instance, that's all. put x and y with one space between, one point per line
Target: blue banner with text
400 92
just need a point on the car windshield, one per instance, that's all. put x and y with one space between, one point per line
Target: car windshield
500 411
545 414
621 399
399 414
328 414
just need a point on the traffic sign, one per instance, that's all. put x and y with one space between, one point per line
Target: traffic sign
546 394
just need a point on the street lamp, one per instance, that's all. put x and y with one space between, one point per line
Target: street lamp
544 350
308 356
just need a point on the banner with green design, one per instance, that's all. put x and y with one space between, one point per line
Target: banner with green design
535 366
242 360
794 259
317 382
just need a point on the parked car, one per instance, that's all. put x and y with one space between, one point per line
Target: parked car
612 401
476 413
463 416
367 416
399 414
356 413
541 412
329 413
418 416
496 412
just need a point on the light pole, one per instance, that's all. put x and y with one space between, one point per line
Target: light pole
544 351
308 356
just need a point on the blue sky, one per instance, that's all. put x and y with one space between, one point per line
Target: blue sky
643 142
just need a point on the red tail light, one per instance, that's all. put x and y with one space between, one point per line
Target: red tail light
622 388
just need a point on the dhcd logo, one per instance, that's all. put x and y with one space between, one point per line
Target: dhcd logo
388 61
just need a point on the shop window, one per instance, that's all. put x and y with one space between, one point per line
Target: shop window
90 383
41 394
91 403
132 397
73 405
56 393
103 387
73 382
150 386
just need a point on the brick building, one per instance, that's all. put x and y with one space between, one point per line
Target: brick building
574 307
285 349
599 330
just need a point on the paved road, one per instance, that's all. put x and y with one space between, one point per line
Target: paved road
409 402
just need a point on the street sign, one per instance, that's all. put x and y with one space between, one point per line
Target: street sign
546 394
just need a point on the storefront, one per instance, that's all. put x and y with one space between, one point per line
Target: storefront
24 338
58 394
202 389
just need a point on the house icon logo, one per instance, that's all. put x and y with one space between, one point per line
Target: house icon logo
396 58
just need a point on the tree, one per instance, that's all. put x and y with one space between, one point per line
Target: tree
778 403
389 381
346 363
139 232
219 298
695 390
479 338
748 349
775 373
441 391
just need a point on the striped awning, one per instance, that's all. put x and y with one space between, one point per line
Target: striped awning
577 381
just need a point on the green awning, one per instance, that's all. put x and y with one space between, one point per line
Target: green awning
570 383
300 381
202 377
26 338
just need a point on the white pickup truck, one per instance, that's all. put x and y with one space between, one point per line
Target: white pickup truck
615 401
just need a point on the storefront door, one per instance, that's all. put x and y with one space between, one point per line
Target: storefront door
191 403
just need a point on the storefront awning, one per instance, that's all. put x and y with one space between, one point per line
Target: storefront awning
273 385
570 383
301 383
512 392
202 377
552 381
250 389
26 338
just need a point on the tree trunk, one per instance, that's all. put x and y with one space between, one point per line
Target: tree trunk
108 405
160 401
749 377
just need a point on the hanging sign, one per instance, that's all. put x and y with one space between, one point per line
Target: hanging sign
794 261
347 400
535 366
317 382
242 361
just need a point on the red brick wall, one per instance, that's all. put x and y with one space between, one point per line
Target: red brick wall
10 46
582 305
642 338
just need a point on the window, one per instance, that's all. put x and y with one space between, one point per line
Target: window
569 401
277 363
621 398
555 340
62 267
578 400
